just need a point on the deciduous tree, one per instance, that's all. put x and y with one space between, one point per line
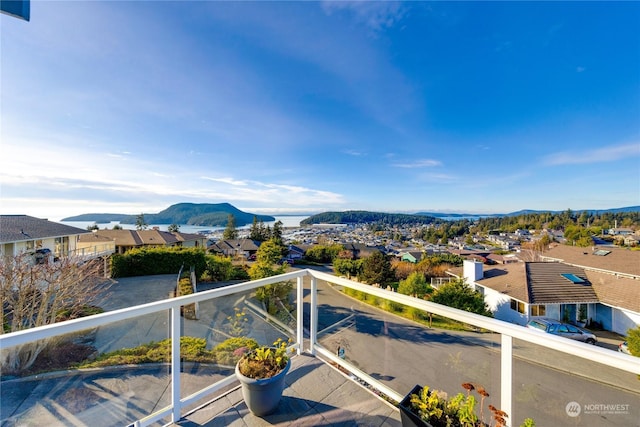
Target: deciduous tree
41 294
415 285
458 295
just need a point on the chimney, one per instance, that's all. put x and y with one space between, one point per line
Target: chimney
472 270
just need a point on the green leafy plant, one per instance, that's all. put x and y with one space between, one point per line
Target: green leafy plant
434 407
264 361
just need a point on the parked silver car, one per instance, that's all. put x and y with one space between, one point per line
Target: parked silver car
562 329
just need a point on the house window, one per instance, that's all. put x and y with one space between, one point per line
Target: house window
538 310
517 306
30 245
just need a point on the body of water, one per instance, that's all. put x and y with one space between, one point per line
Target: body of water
287 221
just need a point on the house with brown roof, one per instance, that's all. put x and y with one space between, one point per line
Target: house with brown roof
129 239
44 238
571 284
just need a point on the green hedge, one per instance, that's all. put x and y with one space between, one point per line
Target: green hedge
161 260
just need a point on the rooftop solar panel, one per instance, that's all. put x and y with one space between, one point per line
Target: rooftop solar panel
572 277
601 252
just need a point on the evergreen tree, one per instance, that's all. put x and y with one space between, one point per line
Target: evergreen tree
274 296
141 224
376 269
230 233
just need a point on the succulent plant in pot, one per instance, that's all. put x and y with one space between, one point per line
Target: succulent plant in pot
261 373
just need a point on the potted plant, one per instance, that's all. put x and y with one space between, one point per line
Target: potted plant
423 407
261 373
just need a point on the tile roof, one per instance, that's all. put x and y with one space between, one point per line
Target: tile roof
157 237
619 260
508 279
147 237
122 237
94 237
227 246
19 228
616 291
548 286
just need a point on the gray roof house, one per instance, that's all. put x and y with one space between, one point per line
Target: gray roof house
24 233
577 285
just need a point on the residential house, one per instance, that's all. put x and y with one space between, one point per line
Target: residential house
235 247
632 240
571 284
620 231
26 234
296 252
129 239
412 256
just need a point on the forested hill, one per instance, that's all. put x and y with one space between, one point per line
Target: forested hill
365 217
205 214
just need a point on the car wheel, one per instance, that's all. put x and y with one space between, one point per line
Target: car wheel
591 341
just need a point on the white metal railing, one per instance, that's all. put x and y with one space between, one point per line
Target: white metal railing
508 332
94 251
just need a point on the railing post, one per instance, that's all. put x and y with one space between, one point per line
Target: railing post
175 364
313 314
506 376
300 314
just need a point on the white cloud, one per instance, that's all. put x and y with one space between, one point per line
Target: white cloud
420 163
377 15
599 155
227 180
354 153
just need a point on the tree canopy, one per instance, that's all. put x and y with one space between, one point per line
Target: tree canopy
376 269
458 294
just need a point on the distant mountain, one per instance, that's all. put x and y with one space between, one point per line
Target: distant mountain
205 214
365 217
454 215
527 212
590 211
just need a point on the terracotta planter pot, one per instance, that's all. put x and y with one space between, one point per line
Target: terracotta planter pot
263 395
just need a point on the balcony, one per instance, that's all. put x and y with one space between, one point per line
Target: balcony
528 374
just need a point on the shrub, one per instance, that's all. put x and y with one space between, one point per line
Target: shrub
633 341
226 352
160 260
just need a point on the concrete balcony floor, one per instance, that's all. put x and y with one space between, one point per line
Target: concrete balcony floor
317 394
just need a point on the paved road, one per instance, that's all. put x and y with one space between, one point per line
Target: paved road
401 354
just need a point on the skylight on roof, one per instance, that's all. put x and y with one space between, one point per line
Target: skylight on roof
572 277
601 252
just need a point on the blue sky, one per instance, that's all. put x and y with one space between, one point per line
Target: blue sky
304 107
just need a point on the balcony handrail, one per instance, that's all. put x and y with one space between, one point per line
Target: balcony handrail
33 334
507 330
575 348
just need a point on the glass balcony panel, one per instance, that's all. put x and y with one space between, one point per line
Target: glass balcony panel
100 395
555 388
401 352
